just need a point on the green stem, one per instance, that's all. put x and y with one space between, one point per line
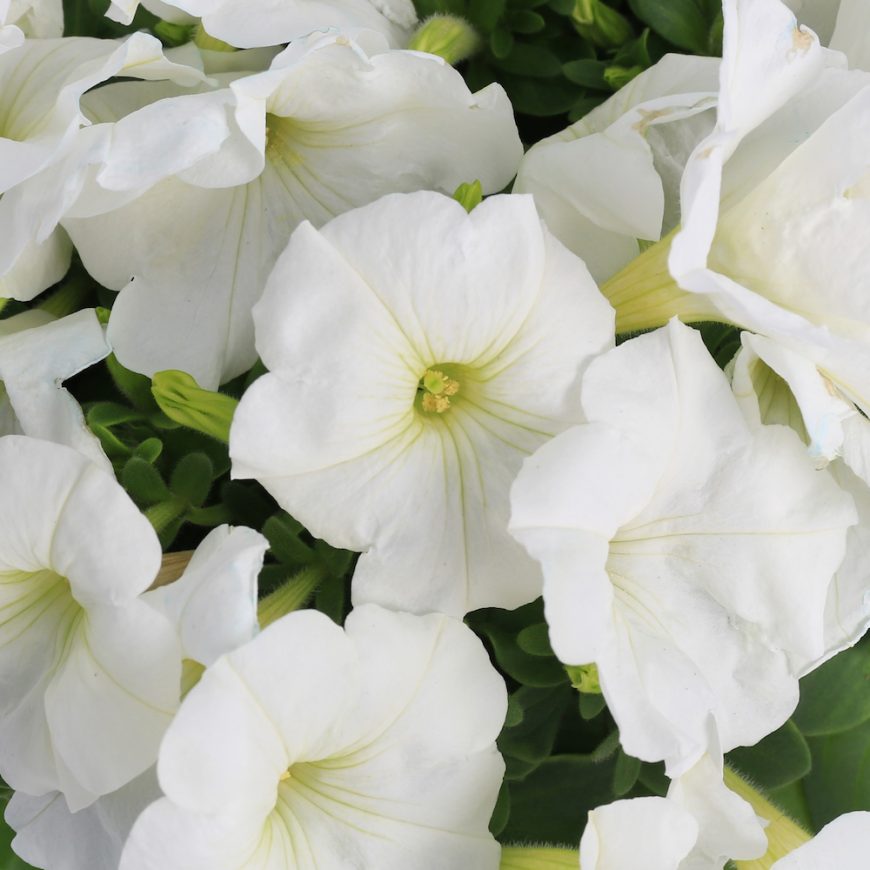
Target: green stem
291 595
69 298
783 834
163 513
538 858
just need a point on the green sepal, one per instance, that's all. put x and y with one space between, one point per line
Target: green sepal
184 401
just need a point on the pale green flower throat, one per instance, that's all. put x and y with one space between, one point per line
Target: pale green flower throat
435 390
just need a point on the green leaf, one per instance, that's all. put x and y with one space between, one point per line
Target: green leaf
551 803
839 781
143 482
282 532
588 73
485 14
192 478
530 61
540 98
502 810
469 195
836 696
535 640
561 7
526 21
625 773
685 23
501 42
502 628
653 776
779 759
532 740
591 705
331 599
515 712
136 387
149 450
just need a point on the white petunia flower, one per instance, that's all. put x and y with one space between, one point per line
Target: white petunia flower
35 357
612 178
842 844
774 205
417 355
90 673
372 747
41 84
686 553
233 172
271 22
213 606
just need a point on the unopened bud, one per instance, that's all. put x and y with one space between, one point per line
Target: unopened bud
184 401
447 36
601 24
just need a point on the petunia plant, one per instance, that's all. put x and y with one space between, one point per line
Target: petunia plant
434 435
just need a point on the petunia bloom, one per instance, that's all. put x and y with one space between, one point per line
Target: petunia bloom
90 673
212 185
686 553
313 746
418 354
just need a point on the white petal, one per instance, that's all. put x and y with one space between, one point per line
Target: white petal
214 603
842 843
113 695
34 362
662 835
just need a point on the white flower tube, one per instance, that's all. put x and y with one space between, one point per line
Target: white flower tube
686 553
418 353
90 673
373 746
329 127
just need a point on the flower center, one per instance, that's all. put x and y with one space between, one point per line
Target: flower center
434 391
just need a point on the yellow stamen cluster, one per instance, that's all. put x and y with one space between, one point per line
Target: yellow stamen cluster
437 389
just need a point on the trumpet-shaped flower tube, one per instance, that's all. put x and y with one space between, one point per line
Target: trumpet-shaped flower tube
418 354
371 747
90 672
686 553
231 173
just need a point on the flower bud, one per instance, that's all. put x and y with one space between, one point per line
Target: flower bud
184 401
447 36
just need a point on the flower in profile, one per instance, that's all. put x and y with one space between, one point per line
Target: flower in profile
90 672
213 606
371 747
686 553
418 353
611 180
36 355
227 175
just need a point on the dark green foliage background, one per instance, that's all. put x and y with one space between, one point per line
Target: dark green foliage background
561 748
